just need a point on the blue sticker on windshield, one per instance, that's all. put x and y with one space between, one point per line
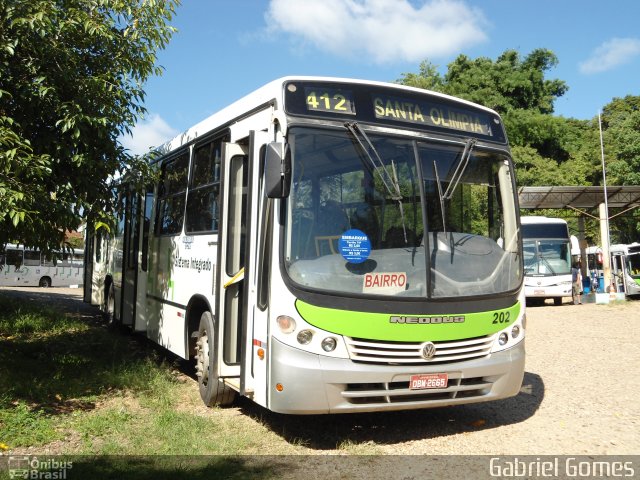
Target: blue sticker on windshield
354 246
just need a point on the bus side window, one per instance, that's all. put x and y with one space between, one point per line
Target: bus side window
48 260
32 258
14 258
202 201
171 195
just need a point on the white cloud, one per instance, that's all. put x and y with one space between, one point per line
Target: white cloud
386 31
152 132
611 54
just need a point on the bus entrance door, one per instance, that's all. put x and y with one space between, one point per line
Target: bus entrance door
236 289
230 288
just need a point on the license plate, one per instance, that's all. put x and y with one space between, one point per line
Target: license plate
538 292
427 381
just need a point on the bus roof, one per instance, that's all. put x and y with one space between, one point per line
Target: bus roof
540 219
272 93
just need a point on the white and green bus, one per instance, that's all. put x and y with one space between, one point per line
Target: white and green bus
625 267
327 246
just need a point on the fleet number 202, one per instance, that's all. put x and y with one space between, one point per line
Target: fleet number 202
501 317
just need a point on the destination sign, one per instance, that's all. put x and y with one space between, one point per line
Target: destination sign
392 106
431 114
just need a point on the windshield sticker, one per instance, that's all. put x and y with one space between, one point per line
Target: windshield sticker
388 283
354 246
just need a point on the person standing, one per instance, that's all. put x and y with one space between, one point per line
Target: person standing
576 283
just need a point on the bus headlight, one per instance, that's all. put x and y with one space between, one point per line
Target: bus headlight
329 344
286 323
503 338
304 337
515 331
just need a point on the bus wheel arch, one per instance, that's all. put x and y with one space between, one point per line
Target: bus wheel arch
213 391
45 282
195 308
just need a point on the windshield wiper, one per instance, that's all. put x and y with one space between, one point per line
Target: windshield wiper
546 262
441 197
461 166
389 180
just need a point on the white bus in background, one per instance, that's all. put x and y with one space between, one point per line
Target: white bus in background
547 259
328 246
27 267
625 268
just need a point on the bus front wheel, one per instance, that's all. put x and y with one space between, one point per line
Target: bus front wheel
45 282
212 390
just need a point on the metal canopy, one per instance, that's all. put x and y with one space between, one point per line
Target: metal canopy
578 197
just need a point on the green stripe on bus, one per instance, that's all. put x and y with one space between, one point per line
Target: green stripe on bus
407 328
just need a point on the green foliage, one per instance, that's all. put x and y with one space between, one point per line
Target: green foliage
71 82
508 83
621 125
428 78
547 149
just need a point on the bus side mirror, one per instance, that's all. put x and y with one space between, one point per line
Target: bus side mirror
277 171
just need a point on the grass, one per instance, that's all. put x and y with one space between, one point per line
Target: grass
54 366
120 408
69 385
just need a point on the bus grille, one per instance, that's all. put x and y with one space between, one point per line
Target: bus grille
399 392
410 353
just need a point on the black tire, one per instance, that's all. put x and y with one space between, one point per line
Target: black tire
212 390
45 282
557 301
535 302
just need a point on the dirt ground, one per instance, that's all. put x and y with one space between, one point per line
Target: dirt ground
579 395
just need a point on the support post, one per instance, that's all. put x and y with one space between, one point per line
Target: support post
604 240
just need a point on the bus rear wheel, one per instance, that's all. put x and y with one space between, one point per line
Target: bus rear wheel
212 390
45 282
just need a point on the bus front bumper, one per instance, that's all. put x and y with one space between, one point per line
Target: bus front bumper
550 291
313 384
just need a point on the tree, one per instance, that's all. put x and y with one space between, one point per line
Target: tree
71 83
621 131
506 84
547 149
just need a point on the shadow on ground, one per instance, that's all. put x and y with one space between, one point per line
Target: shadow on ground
326 432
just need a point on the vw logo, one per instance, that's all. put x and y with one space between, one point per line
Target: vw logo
428 351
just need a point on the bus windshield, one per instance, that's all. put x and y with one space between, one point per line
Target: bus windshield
633 264
371 214
547 257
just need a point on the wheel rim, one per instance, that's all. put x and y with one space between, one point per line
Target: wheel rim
202 359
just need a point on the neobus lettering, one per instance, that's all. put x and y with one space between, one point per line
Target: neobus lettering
427 320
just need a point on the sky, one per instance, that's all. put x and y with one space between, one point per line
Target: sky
224 49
